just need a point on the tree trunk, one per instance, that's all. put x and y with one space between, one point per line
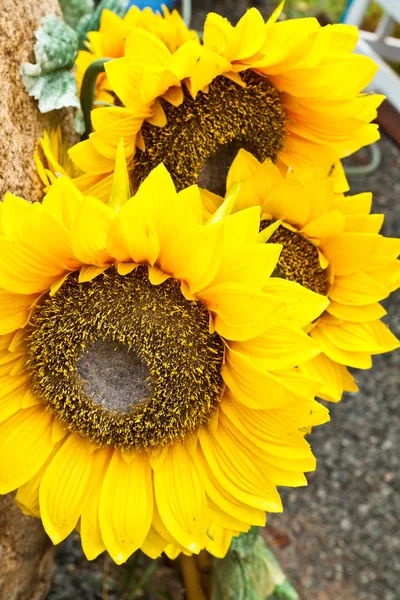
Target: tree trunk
21 123
26 553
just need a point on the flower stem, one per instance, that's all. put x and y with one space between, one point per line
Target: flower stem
88 90
191 577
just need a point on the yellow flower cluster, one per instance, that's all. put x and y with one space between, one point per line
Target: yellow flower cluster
192 280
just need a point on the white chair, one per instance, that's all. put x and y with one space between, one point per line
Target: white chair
379 45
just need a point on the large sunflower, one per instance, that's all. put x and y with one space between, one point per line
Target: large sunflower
109 40
331 245
151 393
288 91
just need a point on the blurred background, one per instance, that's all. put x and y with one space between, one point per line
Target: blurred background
338 539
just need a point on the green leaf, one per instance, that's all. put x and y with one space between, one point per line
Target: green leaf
56 46
250 572
74 10
50 80
53 90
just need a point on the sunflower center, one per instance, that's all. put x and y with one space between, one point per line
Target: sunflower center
299 260
203 134
126 363
114 376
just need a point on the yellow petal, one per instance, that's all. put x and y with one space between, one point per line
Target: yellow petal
90 230
25 444
247 37
41 257
222 498
89 272
211 202
217 31
92 542
88 159
267 429
241 228
14 310
220 517
356 314
106 140
62 201
63 491
302 306
384 270
219 541
12 393
126 268
278 470
372 337
14 210
364 223
251 385
225 209
359 204
305 414
328 225
329 372
181 215
132 236
354 75
238 470
241 312
121 189
251 265
181 499
146 48
154 544
359 360
350 252
27 497
194 257
244 165
281 347
357 289
126 505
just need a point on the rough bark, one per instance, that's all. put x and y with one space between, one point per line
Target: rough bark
21 124
26 553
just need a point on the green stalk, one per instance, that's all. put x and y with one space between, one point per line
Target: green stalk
88 91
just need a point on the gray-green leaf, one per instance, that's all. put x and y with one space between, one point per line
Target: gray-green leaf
53 90
250 572
74 10
56 46
50 80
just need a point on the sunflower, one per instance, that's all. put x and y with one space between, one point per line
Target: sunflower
52 161
288 91
330 245
109 40
151 391
51 158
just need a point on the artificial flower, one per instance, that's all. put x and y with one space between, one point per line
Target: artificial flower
109 40
151 391
289 91
332 246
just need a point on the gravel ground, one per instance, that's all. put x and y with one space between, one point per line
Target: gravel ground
336 538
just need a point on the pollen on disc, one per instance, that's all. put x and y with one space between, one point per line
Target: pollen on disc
124 362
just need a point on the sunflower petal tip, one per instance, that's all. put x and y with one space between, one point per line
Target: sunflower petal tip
120 191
